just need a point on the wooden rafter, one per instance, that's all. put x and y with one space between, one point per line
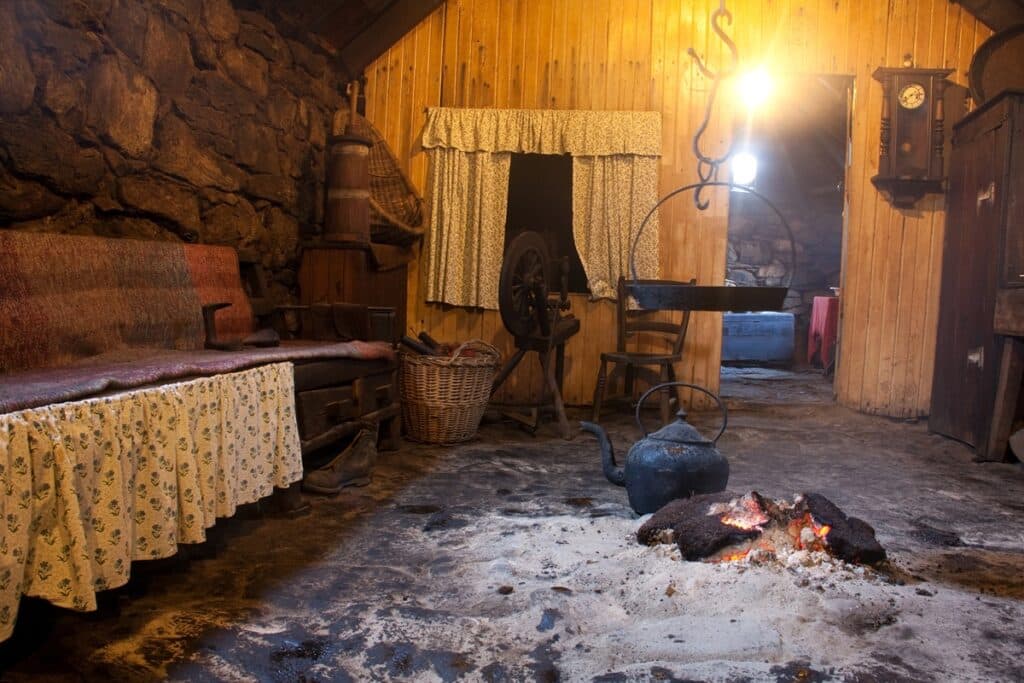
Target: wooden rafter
361 30
384 31
996 14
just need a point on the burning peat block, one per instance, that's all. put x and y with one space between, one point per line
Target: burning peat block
849 538
724 526
698 533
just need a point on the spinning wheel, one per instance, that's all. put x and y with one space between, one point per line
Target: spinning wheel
535 321
523 287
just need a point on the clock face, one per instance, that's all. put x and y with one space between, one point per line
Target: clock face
911 96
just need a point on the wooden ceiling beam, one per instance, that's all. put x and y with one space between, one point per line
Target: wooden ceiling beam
996 14
384 31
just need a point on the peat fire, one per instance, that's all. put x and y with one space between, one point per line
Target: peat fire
726 527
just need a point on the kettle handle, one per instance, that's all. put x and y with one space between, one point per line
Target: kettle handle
721 406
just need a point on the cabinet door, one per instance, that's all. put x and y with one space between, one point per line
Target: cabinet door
966 354
1012 198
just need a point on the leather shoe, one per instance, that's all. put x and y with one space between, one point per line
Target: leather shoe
351 467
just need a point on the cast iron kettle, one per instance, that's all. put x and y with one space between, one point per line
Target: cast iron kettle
673 462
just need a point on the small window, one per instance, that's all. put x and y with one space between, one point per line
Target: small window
540 199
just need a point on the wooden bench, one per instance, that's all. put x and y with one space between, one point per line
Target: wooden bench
84 315
122 434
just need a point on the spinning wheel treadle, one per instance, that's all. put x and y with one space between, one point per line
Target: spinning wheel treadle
534 320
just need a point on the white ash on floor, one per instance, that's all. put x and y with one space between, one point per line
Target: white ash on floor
612 607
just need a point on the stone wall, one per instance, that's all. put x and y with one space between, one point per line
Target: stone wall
163 119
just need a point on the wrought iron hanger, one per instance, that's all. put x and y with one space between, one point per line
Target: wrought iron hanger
707 166
707 170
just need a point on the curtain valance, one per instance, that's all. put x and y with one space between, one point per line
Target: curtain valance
544 131
614 184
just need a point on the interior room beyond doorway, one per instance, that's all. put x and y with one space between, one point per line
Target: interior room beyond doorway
794 153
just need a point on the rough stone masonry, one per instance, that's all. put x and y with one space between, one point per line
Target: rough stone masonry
163 119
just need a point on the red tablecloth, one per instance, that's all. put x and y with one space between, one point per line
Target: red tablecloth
821 336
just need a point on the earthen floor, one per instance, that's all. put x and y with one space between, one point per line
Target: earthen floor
512 558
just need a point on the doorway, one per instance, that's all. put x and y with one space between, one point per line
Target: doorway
795 155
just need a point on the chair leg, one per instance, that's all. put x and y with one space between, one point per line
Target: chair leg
664 402
602 379
615 378
630 381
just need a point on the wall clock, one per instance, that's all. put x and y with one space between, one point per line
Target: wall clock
910 157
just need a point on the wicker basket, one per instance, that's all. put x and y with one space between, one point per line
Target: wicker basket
443 398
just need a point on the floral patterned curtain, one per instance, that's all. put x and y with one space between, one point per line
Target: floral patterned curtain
610 197
615 183
467 226
86 487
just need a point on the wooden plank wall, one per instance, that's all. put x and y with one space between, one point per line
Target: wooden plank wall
631 54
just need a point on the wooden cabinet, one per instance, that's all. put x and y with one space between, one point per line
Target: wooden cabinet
983 260
335 397
327 275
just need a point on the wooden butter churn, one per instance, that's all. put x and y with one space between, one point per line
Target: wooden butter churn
347 213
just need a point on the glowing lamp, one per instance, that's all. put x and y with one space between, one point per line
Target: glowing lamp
755 87
744 168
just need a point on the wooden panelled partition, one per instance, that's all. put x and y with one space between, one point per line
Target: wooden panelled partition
631 54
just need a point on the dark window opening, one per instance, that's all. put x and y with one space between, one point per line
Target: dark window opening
540 199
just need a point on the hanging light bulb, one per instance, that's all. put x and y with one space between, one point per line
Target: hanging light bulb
755 87
744 168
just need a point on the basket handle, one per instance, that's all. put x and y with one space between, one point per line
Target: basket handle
475 345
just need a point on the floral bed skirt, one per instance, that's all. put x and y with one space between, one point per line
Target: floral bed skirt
88 486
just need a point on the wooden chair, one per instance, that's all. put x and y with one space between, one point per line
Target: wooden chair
652 367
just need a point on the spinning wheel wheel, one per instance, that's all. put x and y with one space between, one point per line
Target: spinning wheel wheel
533 320
523 287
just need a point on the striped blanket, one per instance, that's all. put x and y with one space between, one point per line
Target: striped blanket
82 315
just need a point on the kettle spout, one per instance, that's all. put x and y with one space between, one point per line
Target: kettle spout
612 471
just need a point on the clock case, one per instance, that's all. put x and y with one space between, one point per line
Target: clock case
910 155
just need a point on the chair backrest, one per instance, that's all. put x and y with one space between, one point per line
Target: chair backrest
634 322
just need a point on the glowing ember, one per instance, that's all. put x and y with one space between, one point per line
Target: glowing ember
755 530
745 523
744 513
734 557
807 534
